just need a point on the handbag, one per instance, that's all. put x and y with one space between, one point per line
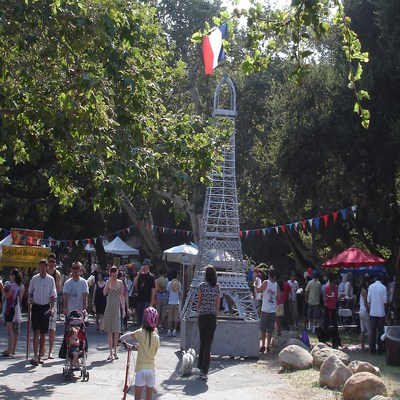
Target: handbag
17 313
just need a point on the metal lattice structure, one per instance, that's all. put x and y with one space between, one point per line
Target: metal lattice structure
220 243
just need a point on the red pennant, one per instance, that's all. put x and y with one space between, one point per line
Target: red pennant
283 227
325 218
335 215
304 224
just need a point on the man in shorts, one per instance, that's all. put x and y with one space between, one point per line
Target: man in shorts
271 291
42 293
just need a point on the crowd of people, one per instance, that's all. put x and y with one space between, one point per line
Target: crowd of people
152 303
285 303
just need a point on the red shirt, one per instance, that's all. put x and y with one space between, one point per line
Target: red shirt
286 290
330 301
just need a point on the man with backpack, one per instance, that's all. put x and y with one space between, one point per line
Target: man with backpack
162 298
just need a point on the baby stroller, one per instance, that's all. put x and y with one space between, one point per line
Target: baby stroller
75 319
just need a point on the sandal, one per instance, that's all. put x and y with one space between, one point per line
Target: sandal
109 358
116 356
5 353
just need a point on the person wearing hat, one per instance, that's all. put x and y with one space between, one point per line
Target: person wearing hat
145 284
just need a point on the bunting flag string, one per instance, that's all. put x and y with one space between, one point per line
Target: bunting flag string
298 226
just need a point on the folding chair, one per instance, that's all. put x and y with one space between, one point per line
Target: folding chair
346 318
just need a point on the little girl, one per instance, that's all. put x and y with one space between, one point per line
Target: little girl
74 346
148 344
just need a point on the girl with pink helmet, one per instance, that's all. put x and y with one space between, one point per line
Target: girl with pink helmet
148 343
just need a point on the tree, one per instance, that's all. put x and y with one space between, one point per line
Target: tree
86 95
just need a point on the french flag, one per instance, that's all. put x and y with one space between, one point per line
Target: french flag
213 51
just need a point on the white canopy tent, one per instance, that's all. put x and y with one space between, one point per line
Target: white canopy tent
120 248
6 240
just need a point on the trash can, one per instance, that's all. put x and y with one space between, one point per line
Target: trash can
392 345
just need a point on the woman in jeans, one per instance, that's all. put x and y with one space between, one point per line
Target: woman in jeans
207 310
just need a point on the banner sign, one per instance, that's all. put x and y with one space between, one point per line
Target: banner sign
29 254
26 237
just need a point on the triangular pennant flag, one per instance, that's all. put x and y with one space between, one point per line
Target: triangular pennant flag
343 211
316 221
335 215
276 228
289 226
283 228
325 219
304 224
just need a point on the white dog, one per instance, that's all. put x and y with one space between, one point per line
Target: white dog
187 362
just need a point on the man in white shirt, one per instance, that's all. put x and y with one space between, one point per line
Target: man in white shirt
377 301
42 293
294 314
270 290
75 291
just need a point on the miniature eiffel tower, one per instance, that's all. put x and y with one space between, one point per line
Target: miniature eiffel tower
220 243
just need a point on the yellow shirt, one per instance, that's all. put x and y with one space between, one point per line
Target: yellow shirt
148 344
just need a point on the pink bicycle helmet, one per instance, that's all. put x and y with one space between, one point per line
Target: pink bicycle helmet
151 317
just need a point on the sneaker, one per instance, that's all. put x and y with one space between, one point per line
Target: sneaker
174 333
262 349
169 332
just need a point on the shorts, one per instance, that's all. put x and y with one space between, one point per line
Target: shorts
145 377
53 318
10 316
40 321
279 310
267 323
364 321
173 312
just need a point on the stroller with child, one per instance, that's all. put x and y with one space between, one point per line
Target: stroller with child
75 325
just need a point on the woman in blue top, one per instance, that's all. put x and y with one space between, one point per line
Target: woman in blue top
207 310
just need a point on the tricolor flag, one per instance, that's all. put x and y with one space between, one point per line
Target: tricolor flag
213 51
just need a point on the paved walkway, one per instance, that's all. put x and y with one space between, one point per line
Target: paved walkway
228 378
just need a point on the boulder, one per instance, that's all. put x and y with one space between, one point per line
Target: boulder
363 386
379 397
297 342
333 373
363 366
321 354
294 358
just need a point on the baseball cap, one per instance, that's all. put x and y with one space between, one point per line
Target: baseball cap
147 261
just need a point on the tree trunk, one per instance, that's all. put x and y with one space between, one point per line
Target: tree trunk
149 241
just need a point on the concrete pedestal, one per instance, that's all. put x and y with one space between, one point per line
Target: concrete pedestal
234 338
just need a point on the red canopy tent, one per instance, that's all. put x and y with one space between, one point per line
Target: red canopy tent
353 257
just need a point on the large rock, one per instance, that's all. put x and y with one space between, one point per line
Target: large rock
363 386
333 373
294 357
320 354
363 366
297 342
379 397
